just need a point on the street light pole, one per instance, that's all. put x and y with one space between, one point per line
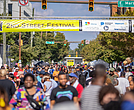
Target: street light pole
4 37
20 40
32 31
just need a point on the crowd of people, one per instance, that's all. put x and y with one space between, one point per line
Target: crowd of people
78 87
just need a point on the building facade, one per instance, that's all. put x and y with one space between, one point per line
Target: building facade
114 9
12 9
8 60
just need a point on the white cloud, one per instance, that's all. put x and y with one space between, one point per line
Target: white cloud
70 10
82 10
102 10
41 12
48 12
36 5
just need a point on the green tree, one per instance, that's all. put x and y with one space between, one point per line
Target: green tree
111 46
120 41
26 51
80 47
39 50
60 50
95 51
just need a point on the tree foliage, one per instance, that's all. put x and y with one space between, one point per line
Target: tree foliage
123 42
80 47
39 50
111 46
95 51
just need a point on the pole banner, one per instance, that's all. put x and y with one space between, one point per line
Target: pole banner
38 25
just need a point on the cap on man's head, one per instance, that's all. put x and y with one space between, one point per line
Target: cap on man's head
2 67
3 72
17 68
42 72
46 77
73 75
37 72
46 74
112 69
77 67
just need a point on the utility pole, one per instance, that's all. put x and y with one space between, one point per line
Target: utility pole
4 37
111 10
46 33
41 34
20 40
32 32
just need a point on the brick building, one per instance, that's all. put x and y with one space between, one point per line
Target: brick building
119 10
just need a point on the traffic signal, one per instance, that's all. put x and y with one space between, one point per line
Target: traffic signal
82 42
44 4
21 42
76 54
91 5
65 42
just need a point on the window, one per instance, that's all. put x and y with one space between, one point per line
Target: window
10 9
26 14
125 9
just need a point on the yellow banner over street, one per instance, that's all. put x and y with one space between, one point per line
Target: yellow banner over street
38 25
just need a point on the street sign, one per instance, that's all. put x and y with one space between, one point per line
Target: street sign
23 2
49 42
19 61
125 3
87 41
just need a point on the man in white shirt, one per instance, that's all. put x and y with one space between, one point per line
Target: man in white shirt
123 82
128 73
116 85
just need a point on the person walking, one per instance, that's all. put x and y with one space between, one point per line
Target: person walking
63 92
55 74
29 96
73 79
90 99
48 86
123 83
6 84
111 75
128 73
4 103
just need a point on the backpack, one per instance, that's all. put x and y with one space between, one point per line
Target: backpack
82 79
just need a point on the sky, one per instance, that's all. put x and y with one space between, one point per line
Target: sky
66 9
